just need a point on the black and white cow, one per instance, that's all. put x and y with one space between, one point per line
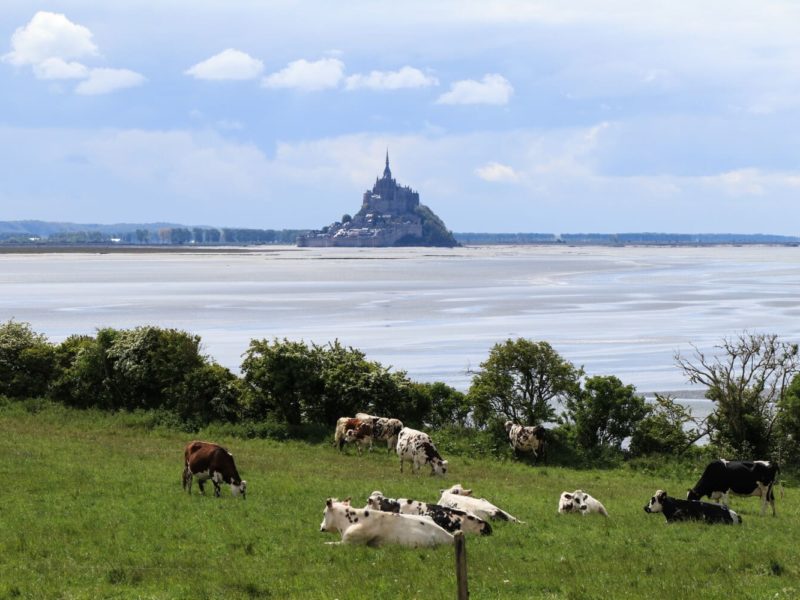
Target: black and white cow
675 509
526 439
743 478
417 448
205 460
450 519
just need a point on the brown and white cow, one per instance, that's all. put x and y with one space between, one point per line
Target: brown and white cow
384 429
526 439
361 436
417 448
205 460
342 425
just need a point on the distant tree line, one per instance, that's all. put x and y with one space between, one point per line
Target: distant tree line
166 235
621 239
294 389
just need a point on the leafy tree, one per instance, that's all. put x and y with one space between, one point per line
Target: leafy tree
27 361
84 372
207 393
605 412
281 376
448 406
520 381
346 218
747 380
666 429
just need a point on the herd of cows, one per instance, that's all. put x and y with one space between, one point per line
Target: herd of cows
414 523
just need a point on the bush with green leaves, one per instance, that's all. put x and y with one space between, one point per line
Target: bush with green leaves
665 430
27 361
522 381
604 412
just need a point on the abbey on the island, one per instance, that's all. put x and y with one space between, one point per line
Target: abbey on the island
390 215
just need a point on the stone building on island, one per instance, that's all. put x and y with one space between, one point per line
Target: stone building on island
390 215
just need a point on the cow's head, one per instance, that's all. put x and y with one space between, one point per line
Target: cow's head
692 495
332 514
458 490
375 499
656 503
509 425
566 503
239 488
350 436
439 467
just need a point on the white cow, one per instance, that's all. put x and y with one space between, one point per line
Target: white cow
458 497
375 528
580 502
417 448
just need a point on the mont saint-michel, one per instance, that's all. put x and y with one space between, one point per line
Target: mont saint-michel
390 215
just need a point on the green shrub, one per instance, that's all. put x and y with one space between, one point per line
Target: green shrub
27 361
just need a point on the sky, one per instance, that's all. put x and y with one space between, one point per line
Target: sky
506 116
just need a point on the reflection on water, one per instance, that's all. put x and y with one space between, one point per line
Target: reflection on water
434 313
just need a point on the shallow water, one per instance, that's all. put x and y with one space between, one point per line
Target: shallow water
432 312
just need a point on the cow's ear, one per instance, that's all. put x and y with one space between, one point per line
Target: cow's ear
346 501
568 496
329 502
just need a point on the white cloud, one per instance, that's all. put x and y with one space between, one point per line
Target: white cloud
308 76
49 35
492 89
104 81
406 77
58 68
228 64
496 172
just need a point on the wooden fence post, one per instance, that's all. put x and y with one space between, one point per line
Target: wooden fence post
461 566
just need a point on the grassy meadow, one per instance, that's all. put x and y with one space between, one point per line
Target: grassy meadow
92 507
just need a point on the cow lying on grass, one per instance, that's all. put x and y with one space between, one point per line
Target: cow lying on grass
580 502
205 460
690 510
458 497
450 519
376 528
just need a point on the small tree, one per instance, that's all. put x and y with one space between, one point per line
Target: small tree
668 428
27 360
605 412
747 382
520 381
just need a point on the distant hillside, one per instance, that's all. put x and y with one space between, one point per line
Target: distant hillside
48 228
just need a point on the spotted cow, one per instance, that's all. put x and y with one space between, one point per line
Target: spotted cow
580 502
376 528
205 460
526 439
462 499
384 429
417 448
450 519
343 424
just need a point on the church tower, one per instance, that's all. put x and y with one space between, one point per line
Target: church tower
387 172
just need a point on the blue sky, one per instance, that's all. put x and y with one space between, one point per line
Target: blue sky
506 116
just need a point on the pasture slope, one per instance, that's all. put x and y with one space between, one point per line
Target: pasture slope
92 507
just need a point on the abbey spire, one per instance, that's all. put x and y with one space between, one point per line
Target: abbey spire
387 172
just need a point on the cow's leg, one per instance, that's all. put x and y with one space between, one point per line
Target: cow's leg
187 479
771 497
401 465
202 485
216 488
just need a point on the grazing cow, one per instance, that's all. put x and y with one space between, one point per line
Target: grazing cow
375 528
383 429
743 478
526 439
342 425
458 497
580 502
417 448
690 510
450 519
361 435
205 460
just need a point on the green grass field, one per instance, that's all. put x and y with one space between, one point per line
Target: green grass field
92 507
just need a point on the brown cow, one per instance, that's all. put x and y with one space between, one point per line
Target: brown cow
205 460
342 425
